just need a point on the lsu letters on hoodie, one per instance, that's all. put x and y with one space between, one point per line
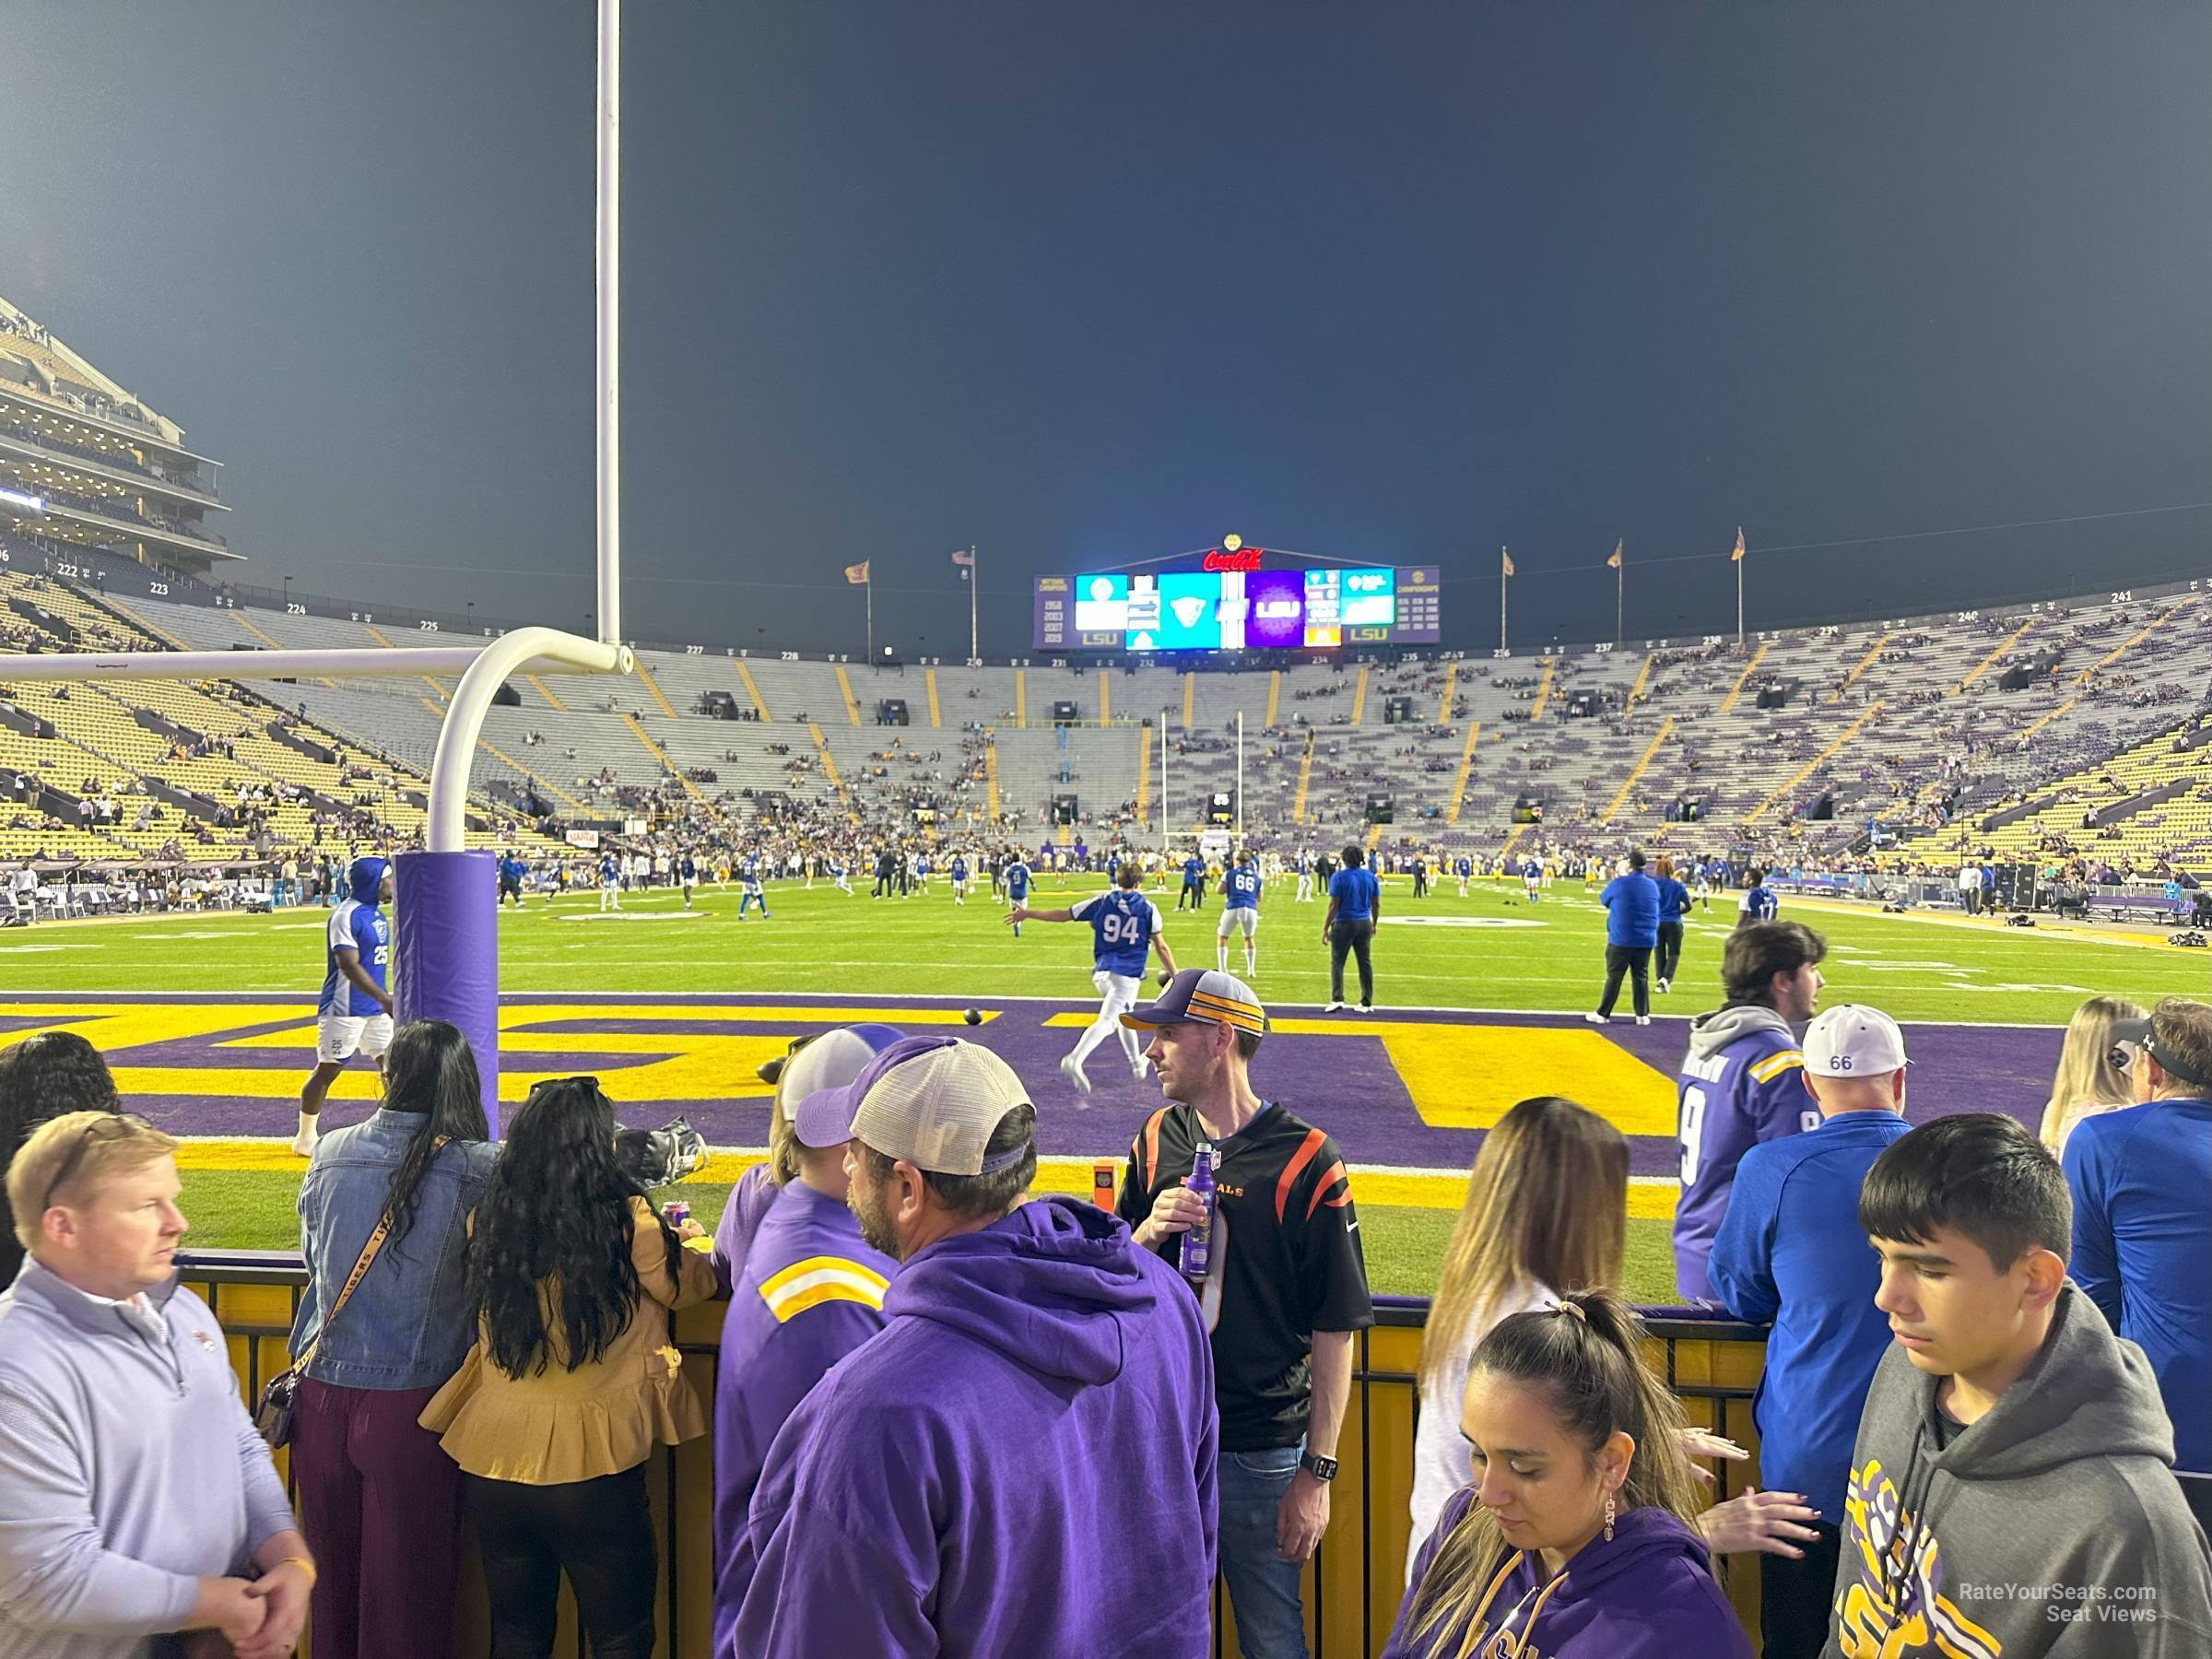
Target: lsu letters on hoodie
1648 1592
1021 1462
2051 1528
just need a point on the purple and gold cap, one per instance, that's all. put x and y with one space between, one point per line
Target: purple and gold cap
1203 996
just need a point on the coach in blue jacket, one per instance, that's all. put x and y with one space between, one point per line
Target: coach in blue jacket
1631 901
1788 1251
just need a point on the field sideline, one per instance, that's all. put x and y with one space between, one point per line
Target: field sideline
209 1022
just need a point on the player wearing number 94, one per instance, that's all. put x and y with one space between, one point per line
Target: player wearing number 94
1741 1080
1124 929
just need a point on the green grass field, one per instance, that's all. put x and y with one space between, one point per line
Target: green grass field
1443 952
1488 951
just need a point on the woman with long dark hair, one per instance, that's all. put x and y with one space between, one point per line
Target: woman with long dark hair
44 1077
573 1378
380 1500
1578 1534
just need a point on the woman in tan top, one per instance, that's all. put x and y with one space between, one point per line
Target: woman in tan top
572 1379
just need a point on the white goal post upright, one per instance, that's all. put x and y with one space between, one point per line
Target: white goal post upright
481 668
446 946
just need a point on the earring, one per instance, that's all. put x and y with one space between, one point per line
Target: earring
1608 1517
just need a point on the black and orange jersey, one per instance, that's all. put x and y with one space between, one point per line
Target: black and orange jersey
1287 1260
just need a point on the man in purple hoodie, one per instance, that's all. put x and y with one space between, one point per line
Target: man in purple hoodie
1032 1432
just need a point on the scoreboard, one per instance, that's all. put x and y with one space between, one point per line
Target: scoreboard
1230 603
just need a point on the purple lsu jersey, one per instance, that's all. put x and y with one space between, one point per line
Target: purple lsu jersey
1742 1083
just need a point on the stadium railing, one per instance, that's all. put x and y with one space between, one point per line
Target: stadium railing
1352 1588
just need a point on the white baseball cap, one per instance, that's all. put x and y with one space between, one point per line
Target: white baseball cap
1854 1040
814 1080
936 1101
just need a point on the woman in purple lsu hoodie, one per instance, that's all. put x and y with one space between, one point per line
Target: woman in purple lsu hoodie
1577 1538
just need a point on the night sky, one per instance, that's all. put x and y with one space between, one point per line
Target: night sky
1090 284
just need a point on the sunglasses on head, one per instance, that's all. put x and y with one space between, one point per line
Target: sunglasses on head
108 1126
589 1083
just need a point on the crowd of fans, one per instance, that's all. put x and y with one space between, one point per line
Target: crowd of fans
953 1415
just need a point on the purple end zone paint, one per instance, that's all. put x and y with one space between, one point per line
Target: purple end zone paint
446 956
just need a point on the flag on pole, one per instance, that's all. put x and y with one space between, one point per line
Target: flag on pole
1614 563
1737 557
1505 561
857 574
962 556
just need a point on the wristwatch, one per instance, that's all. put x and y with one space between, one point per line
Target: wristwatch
1320 1468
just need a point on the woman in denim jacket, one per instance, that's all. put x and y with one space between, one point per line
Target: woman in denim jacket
377 1496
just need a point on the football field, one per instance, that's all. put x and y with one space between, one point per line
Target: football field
209 1022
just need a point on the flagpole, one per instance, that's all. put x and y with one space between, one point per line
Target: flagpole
1739 590
870 585
974 652
1620 596
1502 579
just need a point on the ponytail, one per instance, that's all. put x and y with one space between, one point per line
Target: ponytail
1584 1358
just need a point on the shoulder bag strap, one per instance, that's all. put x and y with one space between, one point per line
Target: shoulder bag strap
375 1243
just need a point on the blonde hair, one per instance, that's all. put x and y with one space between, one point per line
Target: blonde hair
1664 869
2086 1081
782 1142
1584 1359
91 1155
1548 1203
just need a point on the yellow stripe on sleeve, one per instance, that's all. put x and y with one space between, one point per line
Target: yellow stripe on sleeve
1773 1065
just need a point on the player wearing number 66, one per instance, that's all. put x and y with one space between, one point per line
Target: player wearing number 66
1740 1082
1124 929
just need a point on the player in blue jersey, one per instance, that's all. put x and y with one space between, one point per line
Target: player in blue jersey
687 875
1123 927
1674 904
1462 867
836 867
1016 875
1532 878
1239 909
1194 884
354 1013
1305 880
960 878
511 872
1759 904
1742 1080
749 880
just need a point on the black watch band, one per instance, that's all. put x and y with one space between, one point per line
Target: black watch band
1320 1468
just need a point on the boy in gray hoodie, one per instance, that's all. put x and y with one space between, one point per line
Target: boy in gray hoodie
2011 1492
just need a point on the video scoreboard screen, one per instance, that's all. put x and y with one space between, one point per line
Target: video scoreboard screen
1238 609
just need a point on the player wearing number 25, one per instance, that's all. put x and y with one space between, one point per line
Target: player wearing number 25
1740 1081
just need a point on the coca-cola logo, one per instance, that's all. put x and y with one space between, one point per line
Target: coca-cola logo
1243 559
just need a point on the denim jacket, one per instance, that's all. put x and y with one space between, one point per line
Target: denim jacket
408 1323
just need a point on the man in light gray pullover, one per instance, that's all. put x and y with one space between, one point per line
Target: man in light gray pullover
137 1501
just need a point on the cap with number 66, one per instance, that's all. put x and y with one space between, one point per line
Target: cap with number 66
1854 1040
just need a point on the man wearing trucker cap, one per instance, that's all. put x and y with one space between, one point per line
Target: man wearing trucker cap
1022 1461
1791 1251
808 1292
1285 1288
2143 1222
